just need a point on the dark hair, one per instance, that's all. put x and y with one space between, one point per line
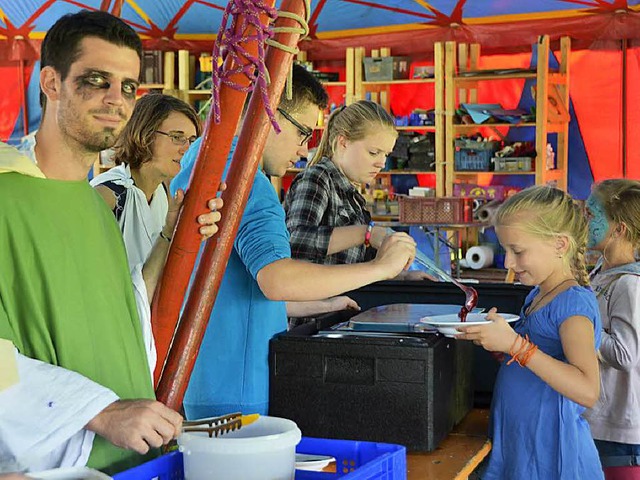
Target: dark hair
61 45
306 89
134 145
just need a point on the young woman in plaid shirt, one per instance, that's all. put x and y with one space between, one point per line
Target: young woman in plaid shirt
326 214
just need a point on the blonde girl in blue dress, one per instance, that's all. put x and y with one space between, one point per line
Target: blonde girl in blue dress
550 374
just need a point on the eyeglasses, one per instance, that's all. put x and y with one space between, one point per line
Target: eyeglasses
305 132
178 138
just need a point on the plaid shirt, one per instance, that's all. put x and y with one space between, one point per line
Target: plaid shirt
321 198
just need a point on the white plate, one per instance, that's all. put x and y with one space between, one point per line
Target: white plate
312 462
448 324
70 473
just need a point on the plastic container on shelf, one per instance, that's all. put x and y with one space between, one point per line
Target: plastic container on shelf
354 461
262 450
435 210
472 155
473 160
513 164
379 69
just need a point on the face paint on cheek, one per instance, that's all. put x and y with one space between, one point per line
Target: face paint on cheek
599 224
88 86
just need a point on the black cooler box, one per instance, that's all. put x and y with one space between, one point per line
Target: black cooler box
407 389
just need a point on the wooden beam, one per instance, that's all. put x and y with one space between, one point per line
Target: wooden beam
449 110
438 60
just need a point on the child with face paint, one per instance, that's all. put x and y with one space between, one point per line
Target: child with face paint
614 230
550 373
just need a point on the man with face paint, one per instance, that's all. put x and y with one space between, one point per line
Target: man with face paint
84 394
614 230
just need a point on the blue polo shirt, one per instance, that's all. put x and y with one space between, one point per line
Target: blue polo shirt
231 373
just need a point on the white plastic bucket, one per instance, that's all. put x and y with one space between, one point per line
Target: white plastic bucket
263 450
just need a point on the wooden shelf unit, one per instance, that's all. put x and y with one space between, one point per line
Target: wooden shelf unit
460 58
380 92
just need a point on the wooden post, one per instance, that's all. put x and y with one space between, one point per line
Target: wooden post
183 74
438 60
248 153
350 76
542 93
169 72
358 73
562 155
449 110
206 177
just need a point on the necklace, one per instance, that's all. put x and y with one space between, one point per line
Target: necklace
539 299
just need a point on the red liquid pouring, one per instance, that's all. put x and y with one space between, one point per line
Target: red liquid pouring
470 302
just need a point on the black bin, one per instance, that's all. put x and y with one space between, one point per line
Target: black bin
409 390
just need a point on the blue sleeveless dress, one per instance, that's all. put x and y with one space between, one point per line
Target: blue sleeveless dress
538 433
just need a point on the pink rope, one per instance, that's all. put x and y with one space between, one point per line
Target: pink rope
243 63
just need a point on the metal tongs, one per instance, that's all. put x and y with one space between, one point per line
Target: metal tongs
219 425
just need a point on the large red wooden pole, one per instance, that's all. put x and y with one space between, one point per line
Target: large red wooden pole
205 179
255 128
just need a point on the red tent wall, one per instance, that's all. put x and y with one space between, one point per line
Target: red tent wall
633 113
10 99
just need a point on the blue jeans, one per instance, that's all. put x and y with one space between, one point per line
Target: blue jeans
614 454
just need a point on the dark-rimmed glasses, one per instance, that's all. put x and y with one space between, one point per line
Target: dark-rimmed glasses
305 132
178 138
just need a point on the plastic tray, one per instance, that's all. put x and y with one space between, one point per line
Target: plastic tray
354 461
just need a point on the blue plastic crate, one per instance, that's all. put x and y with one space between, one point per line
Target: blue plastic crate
472 160
354 461
166 467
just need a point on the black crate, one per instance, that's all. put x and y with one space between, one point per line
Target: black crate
409 390
507 298
422 153
368 389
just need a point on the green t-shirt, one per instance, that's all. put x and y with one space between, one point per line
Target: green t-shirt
66 296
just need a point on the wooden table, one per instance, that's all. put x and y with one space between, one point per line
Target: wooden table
458 455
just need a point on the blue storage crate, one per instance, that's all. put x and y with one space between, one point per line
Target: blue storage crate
166 467
354 461
473 160
471 155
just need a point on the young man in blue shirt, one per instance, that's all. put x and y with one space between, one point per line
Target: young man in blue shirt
262 284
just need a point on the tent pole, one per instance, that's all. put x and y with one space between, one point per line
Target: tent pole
207 174
255 129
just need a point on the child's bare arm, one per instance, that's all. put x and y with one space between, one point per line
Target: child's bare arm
579 379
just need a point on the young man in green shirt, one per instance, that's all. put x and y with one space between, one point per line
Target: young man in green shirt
85 394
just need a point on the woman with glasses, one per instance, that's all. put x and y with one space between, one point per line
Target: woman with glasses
148 154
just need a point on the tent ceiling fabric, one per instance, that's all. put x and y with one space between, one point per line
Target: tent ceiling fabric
199 19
